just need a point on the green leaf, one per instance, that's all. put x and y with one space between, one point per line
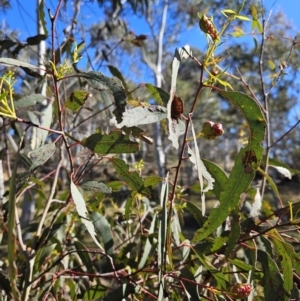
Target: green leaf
234 234
115 185
41 256
152 181
189 286
240 264
96 186
149 247
113 85
174 129
103 229
244 18
286 252
76 100
272 280
228 11
271 65
132 179
84 256
83 212
219 175
160 95
245 166
93 293
29 100
113 143
220 278
196 212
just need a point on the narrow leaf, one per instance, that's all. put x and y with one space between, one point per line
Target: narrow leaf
160 95
103 229
219 176
148 246
272 280
246 163
83 213
286 252
180 54
132 179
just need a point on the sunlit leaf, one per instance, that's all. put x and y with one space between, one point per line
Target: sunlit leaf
189 286
76 100
131 178
220 278
174 130
83 213
234 234
271 65
284 171
160 95
152 181
244 18
219 176
113 143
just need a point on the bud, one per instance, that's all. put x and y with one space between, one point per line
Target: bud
207 26
239 290
211 130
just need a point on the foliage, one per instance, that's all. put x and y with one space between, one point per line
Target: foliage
85 244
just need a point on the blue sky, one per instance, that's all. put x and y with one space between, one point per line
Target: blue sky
22 16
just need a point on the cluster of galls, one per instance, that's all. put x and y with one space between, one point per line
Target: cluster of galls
211 130
239 290
207 26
